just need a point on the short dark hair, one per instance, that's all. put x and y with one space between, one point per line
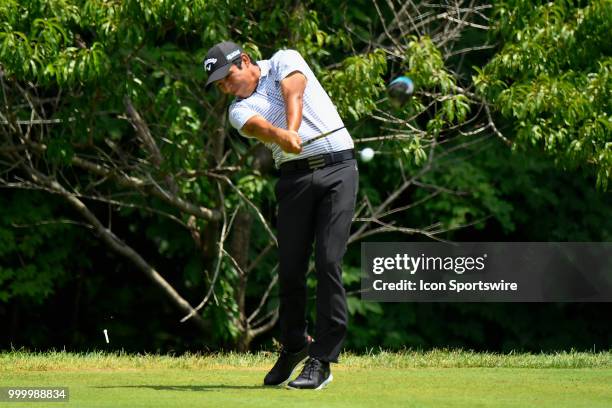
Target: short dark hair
238 61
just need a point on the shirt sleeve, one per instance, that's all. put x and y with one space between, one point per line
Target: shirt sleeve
239 115
287 61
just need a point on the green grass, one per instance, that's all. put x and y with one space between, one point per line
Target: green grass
439 378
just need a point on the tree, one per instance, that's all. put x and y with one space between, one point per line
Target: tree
552 80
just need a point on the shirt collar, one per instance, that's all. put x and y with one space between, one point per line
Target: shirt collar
264 66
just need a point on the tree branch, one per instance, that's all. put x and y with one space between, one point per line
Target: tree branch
114 243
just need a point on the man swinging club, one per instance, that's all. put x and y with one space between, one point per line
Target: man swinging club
280 102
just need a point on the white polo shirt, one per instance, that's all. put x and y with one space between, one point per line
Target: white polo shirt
319 115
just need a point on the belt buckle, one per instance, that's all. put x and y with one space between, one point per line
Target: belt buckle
315 162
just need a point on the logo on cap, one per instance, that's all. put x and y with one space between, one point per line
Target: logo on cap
232 54
209 63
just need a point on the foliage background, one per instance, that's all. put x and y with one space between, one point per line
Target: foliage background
543 72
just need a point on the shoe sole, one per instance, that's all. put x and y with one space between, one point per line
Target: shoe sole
285 382
324 383
320 387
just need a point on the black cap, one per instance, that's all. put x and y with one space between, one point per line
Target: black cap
219 60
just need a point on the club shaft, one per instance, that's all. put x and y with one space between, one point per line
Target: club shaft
321 136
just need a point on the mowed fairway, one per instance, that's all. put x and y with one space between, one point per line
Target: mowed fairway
409 379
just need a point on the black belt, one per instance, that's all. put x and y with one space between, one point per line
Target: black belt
317 161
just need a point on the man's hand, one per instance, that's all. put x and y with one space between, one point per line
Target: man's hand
292 142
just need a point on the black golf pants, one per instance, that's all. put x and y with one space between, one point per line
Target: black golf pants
315 206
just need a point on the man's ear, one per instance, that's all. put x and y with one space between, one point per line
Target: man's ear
246 60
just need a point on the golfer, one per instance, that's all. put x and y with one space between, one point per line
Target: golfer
280 102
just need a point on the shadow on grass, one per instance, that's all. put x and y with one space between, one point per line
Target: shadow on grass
194 387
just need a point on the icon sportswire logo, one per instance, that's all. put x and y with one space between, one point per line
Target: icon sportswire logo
209 63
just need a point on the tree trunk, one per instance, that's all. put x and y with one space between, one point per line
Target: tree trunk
239 250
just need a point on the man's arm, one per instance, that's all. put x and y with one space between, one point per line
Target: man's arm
292 87
288 140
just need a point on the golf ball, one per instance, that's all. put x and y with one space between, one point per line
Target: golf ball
367 154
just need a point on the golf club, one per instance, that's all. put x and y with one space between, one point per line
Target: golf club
400 90
314 139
